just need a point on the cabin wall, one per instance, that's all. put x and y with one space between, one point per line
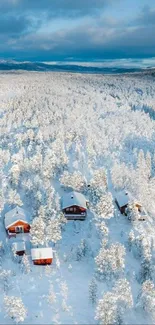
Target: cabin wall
26 227
74 210
20 253
122 209
46 261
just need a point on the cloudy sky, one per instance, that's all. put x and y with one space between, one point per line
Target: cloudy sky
76 29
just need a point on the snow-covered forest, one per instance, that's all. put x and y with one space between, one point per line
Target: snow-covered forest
92 134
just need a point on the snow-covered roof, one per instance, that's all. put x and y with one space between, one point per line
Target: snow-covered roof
124 197
14 215
41 253
18 246
74 198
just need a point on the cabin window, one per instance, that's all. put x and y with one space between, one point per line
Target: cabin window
71 209
67 209
74 209
19 229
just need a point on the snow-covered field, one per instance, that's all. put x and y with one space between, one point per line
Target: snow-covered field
62 131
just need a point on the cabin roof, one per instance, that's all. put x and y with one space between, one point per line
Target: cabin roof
124 197
18 246
74 198
14 215
41 253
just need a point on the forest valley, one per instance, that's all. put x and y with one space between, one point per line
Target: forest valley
93 134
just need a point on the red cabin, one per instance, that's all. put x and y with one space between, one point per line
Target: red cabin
42 256
16 222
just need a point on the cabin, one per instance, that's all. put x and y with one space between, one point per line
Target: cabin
16 222
19 248
74 206
122 200
42 256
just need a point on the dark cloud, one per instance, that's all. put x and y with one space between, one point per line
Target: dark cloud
54 7
99 37
11 25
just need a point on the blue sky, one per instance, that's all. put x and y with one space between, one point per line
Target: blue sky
76 30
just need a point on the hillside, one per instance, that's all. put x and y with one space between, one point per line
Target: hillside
94 134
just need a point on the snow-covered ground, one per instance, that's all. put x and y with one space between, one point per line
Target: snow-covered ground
57 123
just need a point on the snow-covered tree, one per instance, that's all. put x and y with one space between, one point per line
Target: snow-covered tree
15 308
15 173
104 208
99 180
93 291
122 290
110 260
37 232
75 180
5 276
53 230
51 298
131 239
106 311
14 198
148 164
146 299
25 264
112 307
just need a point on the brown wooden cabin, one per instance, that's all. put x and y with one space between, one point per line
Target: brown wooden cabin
122 200
74 206
16 222
42 256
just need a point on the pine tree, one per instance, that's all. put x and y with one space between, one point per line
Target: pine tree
93 291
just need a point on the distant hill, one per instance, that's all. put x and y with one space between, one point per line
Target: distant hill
69 67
